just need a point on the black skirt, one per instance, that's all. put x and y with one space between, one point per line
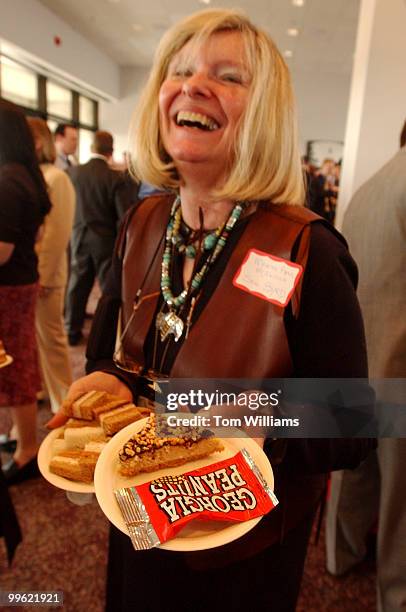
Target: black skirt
165 581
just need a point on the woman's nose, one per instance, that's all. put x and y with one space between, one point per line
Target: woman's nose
196 84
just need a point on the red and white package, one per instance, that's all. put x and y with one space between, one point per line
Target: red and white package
231 490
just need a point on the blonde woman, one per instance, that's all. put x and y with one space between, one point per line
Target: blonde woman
53 269
216 127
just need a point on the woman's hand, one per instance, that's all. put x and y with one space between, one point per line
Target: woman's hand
96 381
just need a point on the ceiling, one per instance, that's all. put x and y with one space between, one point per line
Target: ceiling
129 30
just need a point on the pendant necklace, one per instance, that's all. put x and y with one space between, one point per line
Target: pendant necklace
170 323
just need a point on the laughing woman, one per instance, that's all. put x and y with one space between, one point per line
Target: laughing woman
216 128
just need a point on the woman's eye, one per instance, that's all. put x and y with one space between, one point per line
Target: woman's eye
231 78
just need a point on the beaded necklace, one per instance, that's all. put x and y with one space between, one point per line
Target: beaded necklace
170 322
184 237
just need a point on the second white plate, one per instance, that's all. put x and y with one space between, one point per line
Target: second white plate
44 457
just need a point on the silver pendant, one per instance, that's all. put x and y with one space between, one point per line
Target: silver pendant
169 323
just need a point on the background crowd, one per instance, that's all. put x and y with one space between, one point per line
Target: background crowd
323 185
58 225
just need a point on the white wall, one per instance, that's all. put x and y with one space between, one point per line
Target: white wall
322 98
322 102
31 27
115 116
378 92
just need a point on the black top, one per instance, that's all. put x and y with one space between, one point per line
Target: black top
20 218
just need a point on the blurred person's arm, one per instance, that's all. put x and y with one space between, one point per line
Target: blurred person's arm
57 228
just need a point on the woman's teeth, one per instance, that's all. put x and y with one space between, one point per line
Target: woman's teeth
196 120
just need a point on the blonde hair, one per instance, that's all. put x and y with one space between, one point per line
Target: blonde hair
42 134
266 162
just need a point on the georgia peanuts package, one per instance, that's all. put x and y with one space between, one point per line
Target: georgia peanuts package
231 490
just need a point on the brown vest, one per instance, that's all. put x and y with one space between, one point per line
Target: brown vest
238 335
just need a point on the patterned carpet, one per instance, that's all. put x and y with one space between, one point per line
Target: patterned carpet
65 548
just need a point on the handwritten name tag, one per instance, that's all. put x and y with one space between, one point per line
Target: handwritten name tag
268 277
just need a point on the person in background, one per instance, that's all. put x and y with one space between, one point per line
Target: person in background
102 198
66 144
331 189
215 127
308 174
131 185
143 189
24 203
318 191
53 269
375 226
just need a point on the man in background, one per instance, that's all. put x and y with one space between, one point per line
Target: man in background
66 143
375 227
102 198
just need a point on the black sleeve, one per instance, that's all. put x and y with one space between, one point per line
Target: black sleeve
327 339
102 339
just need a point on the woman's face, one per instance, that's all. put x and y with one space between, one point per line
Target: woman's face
202 99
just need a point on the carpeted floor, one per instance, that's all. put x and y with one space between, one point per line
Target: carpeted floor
65 548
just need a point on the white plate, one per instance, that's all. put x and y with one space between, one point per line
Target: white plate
9 360
44 457
197 535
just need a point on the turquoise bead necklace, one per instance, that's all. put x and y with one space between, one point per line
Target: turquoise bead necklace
184 238
217 241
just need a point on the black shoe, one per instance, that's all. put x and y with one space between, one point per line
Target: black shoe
74 339
7 445
14 474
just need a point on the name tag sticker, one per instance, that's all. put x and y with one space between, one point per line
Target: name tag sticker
268 277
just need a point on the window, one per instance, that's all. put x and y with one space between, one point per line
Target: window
18 84
85 142
86 111
59 100
38 95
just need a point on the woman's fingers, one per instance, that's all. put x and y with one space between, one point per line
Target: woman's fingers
96 381
57 420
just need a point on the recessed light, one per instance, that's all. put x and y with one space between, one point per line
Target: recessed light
298 2
204 1
292 31
288 53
